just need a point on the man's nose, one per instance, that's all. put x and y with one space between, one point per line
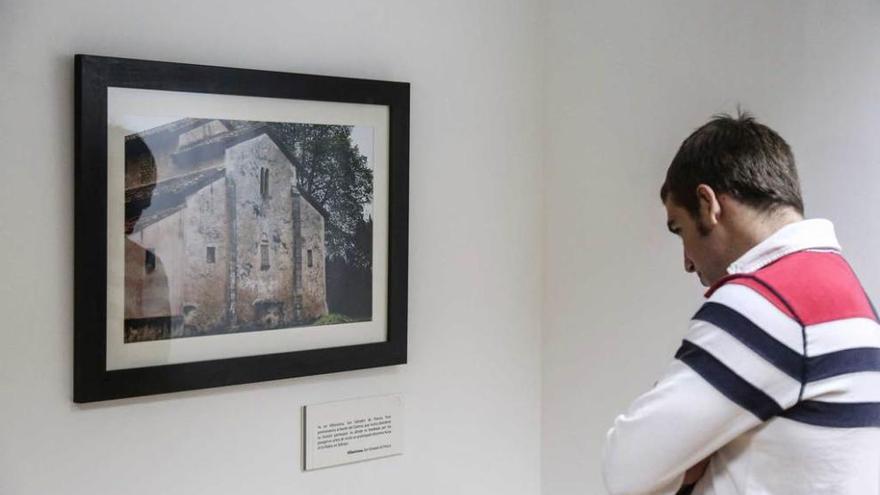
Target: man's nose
688 265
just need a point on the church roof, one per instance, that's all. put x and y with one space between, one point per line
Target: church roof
147 204
177 127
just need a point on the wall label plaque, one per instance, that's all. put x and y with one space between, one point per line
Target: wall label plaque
353 430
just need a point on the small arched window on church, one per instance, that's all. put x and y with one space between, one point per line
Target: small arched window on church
150 260
264 182
264 253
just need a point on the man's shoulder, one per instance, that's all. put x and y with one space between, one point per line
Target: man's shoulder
811 286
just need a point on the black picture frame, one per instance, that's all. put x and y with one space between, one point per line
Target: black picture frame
93 76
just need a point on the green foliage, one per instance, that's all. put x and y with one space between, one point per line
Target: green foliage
332 319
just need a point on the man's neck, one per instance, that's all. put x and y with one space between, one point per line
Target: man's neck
751 227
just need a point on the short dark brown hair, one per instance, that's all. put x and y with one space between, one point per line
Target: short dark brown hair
737 156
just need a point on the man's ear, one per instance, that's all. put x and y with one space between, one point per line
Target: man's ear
709 206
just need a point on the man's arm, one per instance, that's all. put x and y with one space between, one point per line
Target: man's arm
691 477
729 376
666 431
694 474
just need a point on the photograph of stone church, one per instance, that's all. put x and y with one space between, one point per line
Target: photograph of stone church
234 226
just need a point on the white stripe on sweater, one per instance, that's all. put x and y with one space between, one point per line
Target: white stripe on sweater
745 362
837 335
749 303
863 386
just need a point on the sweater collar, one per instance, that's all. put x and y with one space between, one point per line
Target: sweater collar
816 233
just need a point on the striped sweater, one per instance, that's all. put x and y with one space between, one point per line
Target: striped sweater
778 380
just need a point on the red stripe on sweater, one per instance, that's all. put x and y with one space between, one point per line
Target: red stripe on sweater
820 286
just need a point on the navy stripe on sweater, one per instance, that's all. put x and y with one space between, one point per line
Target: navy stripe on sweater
752 336
836 414
731 385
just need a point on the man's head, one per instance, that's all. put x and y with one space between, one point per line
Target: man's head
732 183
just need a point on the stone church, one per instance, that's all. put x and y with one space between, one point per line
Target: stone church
218 237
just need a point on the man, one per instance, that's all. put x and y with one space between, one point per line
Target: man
776 387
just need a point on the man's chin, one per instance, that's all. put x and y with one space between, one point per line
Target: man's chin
703 280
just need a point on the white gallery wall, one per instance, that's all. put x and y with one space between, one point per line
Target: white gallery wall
545 292
472 387
626 82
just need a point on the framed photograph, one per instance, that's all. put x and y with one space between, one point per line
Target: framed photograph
235 226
